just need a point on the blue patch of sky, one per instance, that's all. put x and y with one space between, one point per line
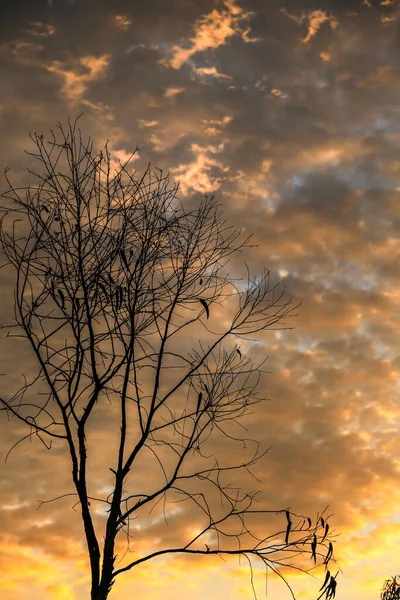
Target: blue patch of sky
297 181
380 349
393 518
303 346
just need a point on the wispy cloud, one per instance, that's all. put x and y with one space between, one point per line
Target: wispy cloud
314 19
122 22
40 29
78 76
211 72
203 173
173 91
214 30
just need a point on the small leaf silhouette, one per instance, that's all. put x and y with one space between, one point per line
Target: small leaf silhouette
62 298
322 522
289 526
44 207
314 549
208 401
309 522
204 303
329 553
327 576
199 402
331 591
238 351
123 256
326 531
102 287
201 281
117 299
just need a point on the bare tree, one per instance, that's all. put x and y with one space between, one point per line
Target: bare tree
115 279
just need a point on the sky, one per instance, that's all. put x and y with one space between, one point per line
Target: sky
287 111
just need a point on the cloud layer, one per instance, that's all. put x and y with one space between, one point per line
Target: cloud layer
289 114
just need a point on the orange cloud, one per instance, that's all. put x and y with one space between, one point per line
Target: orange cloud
202 173
122 22
76 79
315 19
214 30
40 29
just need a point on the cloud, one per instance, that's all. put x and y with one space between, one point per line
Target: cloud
145 123
60 591
162 142
39 29
212 31
23 52
29 572
216 126
325 56
201 174
315 18
122 22
297 19
78 77
304 154
171 92
276 93
212 72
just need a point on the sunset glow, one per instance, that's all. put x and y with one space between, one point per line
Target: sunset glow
288 112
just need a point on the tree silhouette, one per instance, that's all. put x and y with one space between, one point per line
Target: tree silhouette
114 281
391 589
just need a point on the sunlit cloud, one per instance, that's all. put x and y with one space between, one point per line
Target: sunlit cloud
162 141
203 174
60 591
212 72
276 93
77 78
216 126
315 19
388 18
298 136
325 56
23 52
122 22
171 92
41 29
146 123
214 30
